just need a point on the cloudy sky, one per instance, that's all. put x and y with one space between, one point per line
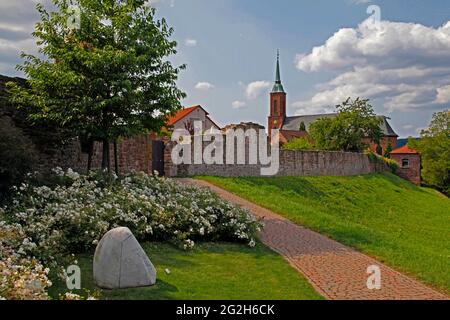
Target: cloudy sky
398 54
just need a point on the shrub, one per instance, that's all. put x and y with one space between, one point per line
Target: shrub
299 144
379 150
72 217
17 155
21 277
46 225
387 152
302 126
375 158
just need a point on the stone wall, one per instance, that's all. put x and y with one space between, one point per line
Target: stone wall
133 154
384 143
413 171
292 163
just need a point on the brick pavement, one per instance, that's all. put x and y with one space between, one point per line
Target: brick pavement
336 271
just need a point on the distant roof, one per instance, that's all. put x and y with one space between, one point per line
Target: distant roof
288 135
293 123
404 150
181 114
184 112
243 125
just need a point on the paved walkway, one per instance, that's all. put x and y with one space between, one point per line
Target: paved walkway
336 271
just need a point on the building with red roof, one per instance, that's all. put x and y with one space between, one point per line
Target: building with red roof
185 118
410 163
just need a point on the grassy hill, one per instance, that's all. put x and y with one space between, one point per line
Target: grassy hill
405 226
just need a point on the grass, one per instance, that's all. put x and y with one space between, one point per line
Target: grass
405 226
212 271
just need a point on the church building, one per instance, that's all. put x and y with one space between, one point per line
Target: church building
298 126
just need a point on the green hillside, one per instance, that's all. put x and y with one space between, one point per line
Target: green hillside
405 226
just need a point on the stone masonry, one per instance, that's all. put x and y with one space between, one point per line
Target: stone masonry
292 163
412 172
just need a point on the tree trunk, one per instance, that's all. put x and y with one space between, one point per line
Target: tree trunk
106 161
116 162
89 162
108 157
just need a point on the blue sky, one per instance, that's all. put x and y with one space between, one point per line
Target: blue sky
402 63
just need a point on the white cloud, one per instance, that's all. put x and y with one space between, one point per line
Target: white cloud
404 64
204 86
408 127
155 3
238 104
256 89
443 95
190 42
360 1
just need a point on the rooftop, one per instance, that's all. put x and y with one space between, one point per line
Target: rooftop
293 123
404 150
181 114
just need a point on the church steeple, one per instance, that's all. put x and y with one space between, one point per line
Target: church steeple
277 102
278 87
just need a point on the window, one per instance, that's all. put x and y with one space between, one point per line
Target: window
405 163
275 107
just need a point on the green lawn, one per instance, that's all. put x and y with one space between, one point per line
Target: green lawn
210 271
382 215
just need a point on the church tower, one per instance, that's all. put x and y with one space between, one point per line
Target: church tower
277 102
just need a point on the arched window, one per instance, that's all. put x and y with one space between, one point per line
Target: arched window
275 107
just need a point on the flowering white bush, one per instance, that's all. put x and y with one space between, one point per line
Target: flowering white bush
72 217
21 277
51 223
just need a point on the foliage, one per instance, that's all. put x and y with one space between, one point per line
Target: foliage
434 147
72 217
387 152
355 122
379 150
299 144
45 226
375 158
382 215
17 155
107 79
302 127
21 277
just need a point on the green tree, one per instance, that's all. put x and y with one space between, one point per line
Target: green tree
379 150
107 77
299 144
387 152
302 127
434 147
355 122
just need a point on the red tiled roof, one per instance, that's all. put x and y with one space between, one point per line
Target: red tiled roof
180 115
404 150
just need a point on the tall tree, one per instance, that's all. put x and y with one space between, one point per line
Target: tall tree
105 72
355 122
434 147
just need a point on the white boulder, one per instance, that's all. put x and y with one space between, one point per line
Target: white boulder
120 262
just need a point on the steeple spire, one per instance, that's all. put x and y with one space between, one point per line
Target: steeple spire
278 87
